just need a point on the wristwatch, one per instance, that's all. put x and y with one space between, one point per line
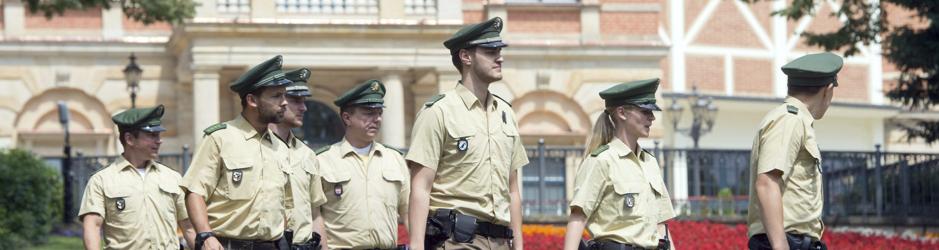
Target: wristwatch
201 237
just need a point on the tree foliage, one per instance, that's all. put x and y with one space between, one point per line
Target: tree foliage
145 11
914 50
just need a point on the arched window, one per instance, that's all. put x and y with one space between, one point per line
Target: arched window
321 125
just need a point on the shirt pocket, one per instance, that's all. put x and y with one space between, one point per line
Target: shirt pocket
241 179
629 199
121 204
464 144
337 189
394 181
169 193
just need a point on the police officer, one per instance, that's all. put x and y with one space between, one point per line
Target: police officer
619 192
785 165
466 154
136 199
236 185
366 183
302 163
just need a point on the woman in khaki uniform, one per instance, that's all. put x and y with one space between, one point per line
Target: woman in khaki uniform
619 193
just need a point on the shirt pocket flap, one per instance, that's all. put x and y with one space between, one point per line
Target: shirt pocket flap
117 192
457 131
236 164
336 176
812 147
622 188
510 130
392 174
170 187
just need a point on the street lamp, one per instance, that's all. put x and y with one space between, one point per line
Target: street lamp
132 74
703 112
66 162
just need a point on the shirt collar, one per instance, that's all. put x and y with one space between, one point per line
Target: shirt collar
242 124
122 163
622 150
345 148
469 99
803 109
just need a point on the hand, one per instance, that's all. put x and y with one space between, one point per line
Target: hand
212 244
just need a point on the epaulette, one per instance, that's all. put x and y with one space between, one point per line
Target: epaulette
599 150
392 148
321 149
792 109
433 99
213 128
503 100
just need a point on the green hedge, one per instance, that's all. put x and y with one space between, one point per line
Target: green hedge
30 199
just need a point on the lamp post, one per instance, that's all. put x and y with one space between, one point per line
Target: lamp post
132 74
66 163
703 112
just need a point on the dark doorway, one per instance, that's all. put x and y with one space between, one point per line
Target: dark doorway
321 125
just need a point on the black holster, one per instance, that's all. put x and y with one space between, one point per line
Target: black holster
439 228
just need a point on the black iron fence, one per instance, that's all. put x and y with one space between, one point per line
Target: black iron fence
716 182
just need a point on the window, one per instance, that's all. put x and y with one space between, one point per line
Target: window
233 6
328 6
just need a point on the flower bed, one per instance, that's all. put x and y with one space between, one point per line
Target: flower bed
710 235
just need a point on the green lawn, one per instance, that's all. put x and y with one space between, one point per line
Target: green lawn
61 243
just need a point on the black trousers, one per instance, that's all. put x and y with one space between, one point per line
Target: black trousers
796 242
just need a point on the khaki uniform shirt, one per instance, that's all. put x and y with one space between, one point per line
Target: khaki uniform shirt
786 141
472 149
365 195
623 195
242 174
139 212
303 179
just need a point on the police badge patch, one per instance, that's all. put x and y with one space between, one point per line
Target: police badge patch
630 200
120 204
337 190
462 144
236 176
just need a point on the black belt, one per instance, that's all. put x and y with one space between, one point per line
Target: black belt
610 245
248 244
796 241
493 230
303 246
399 247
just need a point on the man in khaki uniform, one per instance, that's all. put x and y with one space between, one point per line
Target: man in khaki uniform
366 183
306 194
785 210
466 154
236 187
136 199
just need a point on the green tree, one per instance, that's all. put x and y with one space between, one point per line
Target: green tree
31 192
915 51
145 11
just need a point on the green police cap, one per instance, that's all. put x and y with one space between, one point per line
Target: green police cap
370 94
144 119
484 34
640 93
814 70
299 78
266 74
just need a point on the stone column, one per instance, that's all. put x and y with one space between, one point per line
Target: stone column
205 101
13 18
112 23
392 125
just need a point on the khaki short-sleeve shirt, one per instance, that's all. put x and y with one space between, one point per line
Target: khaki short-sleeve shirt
139 211
473 151
302 161
243 175
623 195
365 196
786 142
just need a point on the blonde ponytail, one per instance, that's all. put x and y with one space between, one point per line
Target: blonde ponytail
603 131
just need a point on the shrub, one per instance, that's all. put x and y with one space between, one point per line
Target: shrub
31 195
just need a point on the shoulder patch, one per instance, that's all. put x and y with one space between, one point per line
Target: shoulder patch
321 149
599 150
392 148
792 109
433 99
213 128
503 100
